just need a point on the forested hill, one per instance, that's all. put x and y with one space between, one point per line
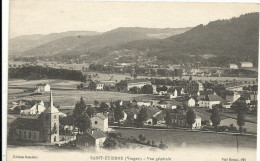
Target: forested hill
233 37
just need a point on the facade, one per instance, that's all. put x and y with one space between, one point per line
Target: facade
100 86
38 108
144 103
191 102
137 83
42 128
91 140
246 64
100 121
232 97
210 100
233 66
42 87
174 94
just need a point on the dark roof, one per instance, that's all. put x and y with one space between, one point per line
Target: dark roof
27 124
41 84
212 97
96 134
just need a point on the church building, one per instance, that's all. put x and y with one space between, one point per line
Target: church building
41 128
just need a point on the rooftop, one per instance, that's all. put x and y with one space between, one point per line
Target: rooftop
33 124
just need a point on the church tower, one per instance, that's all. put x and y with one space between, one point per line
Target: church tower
51 123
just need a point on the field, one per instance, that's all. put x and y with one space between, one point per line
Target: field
228 118
118 77
175 138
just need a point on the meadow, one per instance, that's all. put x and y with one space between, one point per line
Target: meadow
179 138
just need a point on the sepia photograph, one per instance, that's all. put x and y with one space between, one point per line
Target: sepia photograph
132 81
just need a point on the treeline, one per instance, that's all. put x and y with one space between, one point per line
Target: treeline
135 69
40 72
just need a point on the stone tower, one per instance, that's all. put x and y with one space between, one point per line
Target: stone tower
51 123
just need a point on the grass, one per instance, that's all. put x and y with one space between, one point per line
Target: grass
70 97
191 139
230 118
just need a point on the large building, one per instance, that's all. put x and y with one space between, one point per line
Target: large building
137 83
246 64
210 100
41 128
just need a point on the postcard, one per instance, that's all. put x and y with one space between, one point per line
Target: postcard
132 81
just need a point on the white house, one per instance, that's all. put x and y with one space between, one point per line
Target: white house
100 86
144 103
197 123
174 94
42 87
36 109
100 121
233 66
246 64
191 102
210 100
91 140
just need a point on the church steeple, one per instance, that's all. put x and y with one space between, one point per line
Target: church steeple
51 100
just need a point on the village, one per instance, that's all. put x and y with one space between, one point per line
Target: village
179 105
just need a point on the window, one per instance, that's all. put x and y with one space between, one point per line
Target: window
96 122
34 135
24 134
54 116
30 134
46 117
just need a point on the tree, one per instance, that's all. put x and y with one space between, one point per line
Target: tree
164 88
147 89
142 116
134 90
80 107
110 144
135 76
142 138
103 107
162 146
83 122
190 117
190 79
118 113
242 108
90 111
168 118
92 86
215 117
96 103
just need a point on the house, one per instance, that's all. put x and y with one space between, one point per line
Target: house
36 109
161 93
173 95
139 83
210 100
162 104
99 121
151 112
232 96
246 65
91 140
179 119
42 87
43 128
191 102
233 66
144 103
159 118
100 86
193 86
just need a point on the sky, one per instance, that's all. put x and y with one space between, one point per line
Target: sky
53 16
